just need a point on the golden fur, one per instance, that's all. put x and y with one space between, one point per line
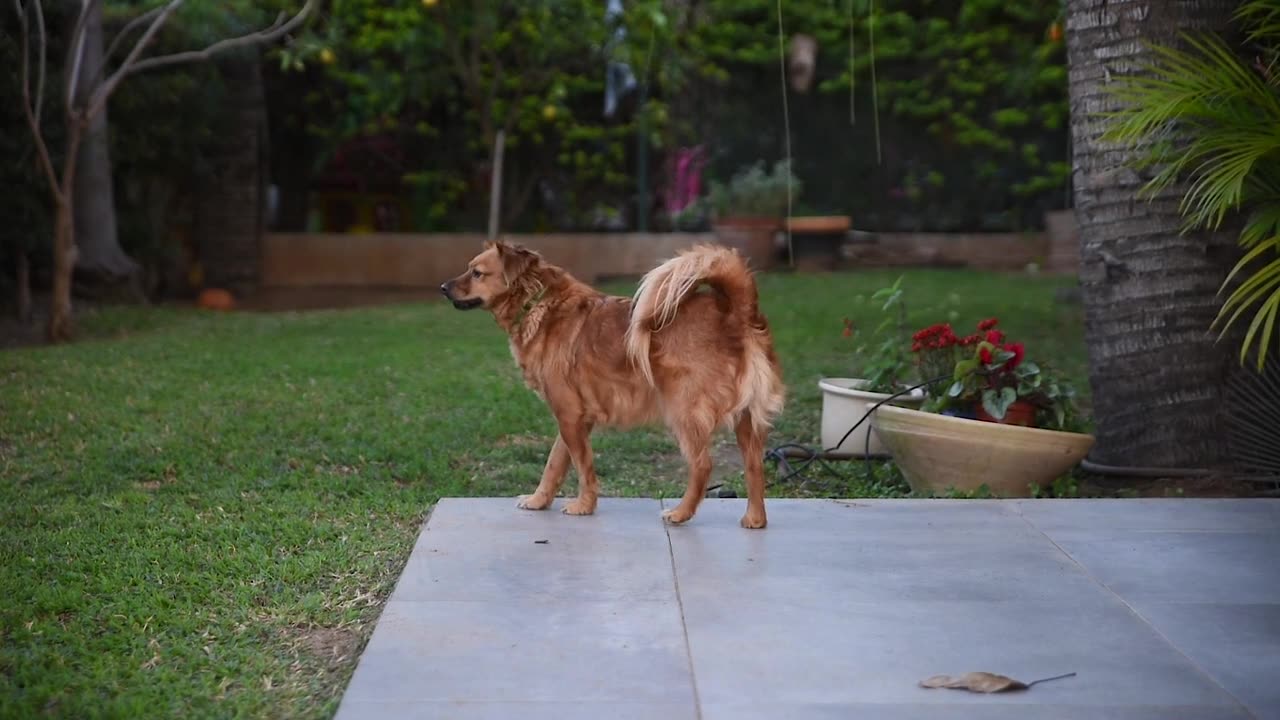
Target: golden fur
692 360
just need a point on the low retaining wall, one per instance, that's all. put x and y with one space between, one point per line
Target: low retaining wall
389 260
984 251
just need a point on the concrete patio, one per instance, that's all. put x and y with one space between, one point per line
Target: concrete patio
1166 609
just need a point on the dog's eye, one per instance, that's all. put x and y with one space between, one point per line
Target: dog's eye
477 274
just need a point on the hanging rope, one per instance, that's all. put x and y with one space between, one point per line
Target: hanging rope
786 125
853 76
875 94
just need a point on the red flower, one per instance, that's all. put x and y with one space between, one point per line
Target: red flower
971 340
916 346
984 355
848 328
987 324
995 337
1018 354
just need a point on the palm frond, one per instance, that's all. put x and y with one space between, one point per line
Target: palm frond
1259 292
1203 116
1262 18
1265 318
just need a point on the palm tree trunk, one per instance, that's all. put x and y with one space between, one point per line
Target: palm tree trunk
1150 293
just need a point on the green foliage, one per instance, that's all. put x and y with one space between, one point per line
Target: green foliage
1207 117
885 362
1064 486
752 192
443 79
972 93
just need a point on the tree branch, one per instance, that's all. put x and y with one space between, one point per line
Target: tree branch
75 54
266 35
108 86
132 64
32 114
44 41
124 32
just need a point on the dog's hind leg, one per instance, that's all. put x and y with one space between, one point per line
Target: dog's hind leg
751 442
552 477
695 446
577 438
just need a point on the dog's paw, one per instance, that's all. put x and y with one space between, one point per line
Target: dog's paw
677 516
753 522
579 507
533 502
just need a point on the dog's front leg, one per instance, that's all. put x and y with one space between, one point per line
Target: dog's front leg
552 477
576 433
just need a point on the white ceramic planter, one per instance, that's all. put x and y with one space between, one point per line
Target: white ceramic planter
937 453
843 405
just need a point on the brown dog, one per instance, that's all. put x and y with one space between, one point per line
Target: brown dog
693 360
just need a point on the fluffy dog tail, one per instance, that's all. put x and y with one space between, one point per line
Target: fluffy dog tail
658 299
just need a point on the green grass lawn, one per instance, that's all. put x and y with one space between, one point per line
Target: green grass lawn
202 514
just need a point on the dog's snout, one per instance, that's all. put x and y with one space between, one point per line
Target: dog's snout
444 288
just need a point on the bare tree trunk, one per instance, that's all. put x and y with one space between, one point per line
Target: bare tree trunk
24 286
60 327
64 262
100 253
1158 377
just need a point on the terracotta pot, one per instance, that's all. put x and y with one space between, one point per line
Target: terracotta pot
937 453
1020 412
820 224
750 236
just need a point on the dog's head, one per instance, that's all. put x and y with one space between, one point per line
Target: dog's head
490 276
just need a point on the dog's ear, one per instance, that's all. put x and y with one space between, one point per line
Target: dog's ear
516 259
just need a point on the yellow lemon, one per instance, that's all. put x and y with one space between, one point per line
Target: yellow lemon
549 112
429 3
327 57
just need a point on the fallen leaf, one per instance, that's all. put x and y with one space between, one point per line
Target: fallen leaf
541 542
983 682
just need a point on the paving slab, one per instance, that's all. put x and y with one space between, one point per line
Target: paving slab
1165 609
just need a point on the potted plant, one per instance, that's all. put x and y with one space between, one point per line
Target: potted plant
991 379
885 368
993 419
748 210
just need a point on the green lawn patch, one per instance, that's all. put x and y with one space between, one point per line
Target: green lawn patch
201 514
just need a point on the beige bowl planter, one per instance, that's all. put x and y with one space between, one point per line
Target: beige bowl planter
843 405
938 453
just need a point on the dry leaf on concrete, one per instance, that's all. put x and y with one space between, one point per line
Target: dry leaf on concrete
983 682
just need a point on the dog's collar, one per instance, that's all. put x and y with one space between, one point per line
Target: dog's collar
529 305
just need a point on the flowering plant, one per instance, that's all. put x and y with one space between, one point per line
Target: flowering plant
989 375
